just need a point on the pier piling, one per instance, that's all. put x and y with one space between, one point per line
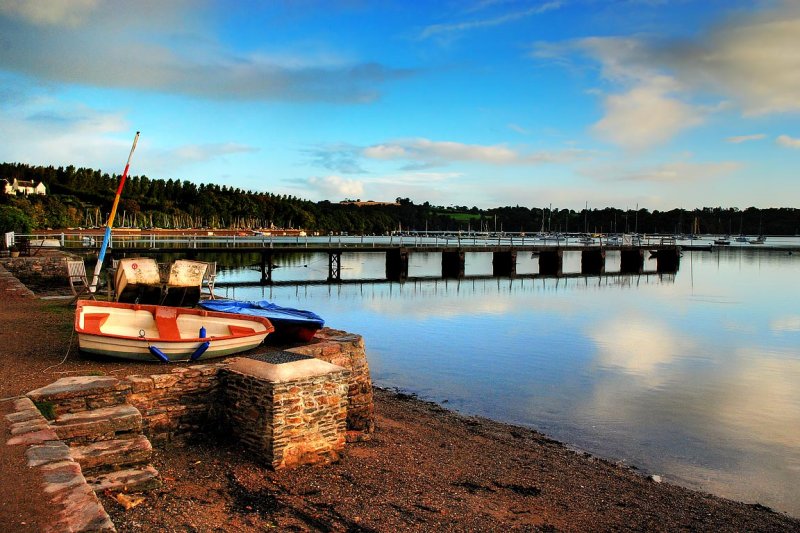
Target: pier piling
453 263
593 261
668 260
397 264
631 261
551 262
504 263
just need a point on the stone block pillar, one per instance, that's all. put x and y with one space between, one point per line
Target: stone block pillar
631 261
287 414
593 261
453 263
504 263
397 264
551 262
668 260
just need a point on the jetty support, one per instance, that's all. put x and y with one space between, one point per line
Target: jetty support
397 264
551 262
504 263
593 261
631 260
453 263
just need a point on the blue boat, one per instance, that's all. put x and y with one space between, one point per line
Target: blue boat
290 324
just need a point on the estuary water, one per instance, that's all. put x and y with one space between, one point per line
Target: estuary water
694 376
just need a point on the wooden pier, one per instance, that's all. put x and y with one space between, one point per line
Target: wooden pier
504 257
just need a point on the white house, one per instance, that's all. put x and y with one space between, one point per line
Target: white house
27 187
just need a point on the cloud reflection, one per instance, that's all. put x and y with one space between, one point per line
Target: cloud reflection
786 324
637 345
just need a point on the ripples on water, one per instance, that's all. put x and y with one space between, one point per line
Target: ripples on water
694 376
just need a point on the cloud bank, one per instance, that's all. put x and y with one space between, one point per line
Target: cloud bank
660 88
145 53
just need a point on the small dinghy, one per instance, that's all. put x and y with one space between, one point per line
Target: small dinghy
157 332
291 325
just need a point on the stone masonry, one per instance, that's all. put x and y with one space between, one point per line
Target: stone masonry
287 414
347 350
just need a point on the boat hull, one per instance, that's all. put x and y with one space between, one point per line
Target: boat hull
131 331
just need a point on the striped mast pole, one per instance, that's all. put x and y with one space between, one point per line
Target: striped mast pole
107 236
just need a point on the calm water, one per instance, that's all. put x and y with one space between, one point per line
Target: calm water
693 376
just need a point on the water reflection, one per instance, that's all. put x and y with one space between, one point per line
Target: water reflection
693 376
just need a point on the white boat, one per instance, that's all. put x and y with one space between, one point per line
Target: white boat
157 332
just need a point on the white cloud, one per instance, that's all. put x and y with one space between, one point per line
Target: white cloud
336 187
643 117
171 48
745 61
675 172
40 130
748 58
458 27
170 161
788 142
427 150
745 138
49 12
424 153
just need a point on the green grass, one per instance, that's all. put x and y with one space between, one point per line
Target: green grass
48 409
460 217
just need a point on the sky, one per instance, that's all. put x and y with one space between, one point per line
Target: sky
655 103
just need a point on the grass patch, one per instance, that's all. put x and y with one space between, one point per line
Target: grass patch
460 217
48 409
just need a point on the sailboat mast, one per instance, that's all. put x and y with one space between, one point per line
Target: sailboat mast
107 236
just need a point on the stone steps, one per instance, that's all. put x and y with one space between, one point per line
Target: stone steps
129 480
108 455
106 423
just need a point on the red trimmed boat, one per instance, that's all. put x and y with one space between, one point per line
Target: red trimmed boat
157 332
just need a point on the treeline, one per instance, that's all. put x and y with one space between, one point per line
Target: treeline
81 197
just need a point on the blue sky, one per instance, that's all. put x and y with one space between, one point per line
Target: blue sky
660 103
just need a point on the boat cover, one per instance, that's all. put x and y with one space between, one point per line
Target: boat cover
266 309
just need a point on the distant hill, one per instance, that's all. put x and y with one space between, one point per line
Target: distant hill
80 197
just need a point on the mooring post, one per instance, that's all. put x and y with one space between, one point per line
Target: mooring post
266 268
551 262
453 263
334 265
593 261
631 260
397 264
668 260
504 263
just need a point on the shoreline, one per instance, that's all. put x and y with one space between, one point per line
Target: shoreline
425 467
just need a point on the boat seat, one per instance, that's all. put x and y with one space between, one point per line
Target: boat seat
240 330
167 324
92 322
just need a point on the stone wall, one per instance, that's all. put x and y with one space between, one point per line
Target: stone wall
44 266
347 350
179 405
287 414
